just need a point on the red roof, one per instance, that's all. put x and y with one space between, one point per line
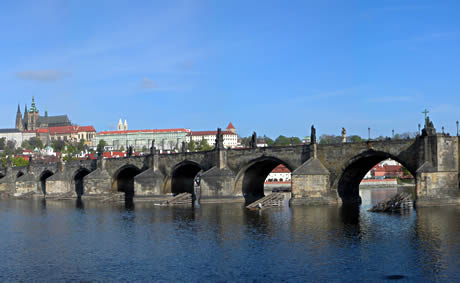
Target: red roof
230 126
111 154
64 130
210 133
38 131
281 169
387 168
143 131
70 129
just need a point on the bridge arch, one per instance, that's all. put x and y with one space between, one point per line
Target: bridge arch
183 177
19 174
43 176
250 179
355 170
123 180
77 180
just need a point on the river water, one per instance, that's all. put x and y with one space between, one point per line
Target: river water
90 241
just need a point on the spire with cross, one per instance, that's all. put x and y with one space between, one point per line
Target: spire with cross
426 116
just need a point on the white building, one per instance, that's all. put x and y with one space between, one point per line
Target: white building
229 135
16 136
279 174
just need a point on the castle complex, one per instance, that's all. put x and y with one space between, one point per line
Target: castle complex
32 119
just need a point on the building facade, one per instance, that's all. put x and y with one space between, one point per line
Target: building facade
73 134
165 139
280 174
16 136
230 136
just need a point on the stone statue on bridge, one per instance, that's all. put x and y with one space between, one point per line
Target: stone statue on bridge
152 149
130 151
253 142
344 135
429 129
313 134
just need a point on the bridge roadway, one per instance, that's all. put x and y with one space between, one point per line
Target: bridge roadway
321 174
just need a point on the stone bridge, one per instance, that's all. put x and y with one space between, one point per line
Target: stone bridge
321 174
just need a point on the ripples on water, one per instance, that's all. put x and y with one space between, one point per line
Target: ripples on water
68 240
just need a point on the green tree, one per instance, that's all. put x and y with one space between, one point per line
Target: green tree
329 139
285 141
354 138
268 141
2 143
122 148
245 141
35 143
81 146
58 145
204 145
100 146
19 162
10 147
144 149
192 146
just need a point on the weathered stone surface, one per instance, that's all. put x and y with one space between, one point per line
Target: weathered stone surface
57 184
310 184
333 176
98 182
148 183
26 184
217 184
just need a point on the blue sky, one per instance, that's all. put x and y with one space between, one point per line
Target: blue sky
274 67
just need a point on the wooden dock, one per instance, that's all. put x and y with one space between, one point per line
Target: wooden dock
401 201
114 198
272 200
180 199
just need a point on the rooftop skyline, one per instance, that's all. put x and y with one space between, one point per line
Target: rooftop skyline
269 67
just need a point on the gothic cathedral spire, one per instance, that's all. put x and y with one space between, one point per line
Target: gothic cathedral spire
19 124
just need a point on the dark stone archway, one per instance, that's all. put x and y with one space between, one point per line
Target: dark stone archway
183 178
348 186
45 175
19 174
124 180
254 177
78 180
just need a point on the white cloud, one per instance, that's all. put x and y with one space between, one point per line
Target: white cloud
391 99
147 83
42 75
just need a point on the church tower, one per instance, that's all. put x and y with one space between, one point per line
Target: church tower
125 126
120 125
25 120
32 116
19 124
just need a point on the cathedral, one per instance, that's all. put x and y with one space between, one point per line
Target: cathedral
32 119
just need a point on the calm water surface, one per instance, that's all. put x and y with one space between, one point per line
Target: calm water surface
66 240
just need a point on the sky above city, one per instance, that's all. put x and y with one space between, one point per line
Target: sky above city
274 67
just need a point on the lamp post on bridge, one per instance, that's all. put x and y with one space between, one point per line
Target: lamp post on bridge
369 133
457 127
393 133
